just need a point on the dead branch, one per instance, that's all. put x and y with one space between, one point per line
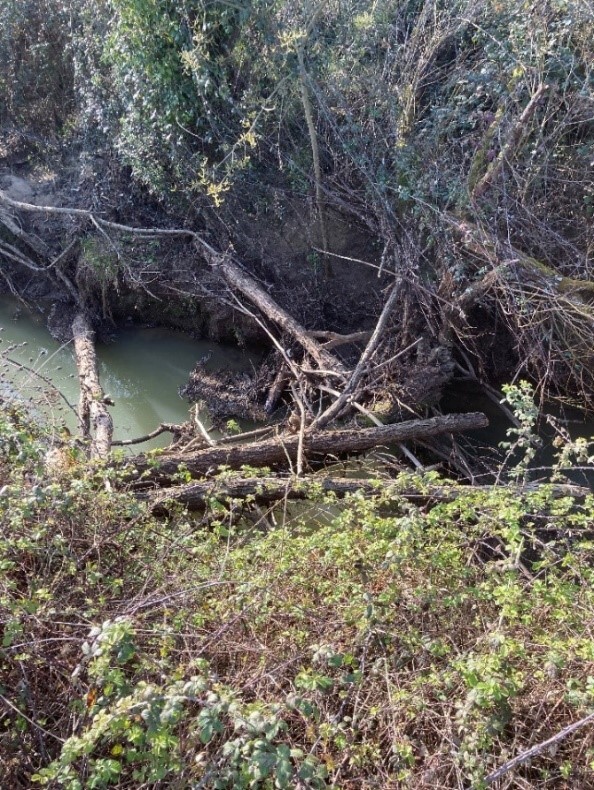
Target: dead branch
276 390
164 427
283 449
89 215
539 748
14 254
516 135
363 362
266 490
35 246
241 281
241 437
334 339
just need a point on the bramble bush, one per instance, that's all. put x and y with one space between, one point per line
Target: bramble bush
356 643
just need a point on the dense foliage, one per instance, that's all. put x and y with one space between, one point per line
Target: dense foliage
367 643
36 67
456 135
372 642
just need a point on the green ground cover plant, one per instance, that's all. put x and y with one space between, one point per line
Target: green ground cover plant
370 642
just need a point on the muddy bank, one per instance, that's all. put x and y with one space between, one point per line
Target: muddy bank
160 281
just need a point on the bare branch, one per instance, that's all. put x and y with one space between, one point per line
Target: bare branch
534 751
365 359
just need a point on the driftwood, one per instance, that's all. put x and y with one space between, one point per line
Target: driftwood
284 450
95 419
266 490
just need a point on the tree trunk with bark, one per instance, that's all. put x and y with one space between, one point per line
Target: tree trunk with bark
283 450
95 419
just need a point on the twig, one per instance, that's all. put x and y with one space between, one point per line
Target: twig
43 378
198 423
163 428
240 437
9 704
299 403
333 339
534 751
398 355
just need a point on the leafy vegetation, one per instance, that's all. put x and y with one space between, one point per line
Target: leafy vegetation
375 641
359 643
455 136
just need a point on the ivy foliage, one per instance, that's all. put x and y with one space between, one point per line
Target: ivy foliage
183 89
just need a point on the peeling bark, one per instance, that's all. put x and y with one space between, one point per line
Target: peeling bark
94 417
283 450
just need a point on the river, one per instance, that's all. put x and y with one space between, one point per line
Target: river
144 367
141 370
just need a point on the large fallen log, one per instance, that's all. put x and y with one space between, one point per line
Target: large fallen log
266 490
283 450
95 419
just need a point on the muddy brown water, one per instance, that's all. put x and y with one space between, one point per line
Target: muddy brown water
142 370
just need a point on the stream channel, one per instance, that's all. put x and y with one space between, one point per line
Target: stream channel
141 370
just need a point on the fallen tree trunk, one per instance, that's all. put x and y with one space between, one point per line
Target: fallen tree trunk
283 450
94 417
265 490
238 279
